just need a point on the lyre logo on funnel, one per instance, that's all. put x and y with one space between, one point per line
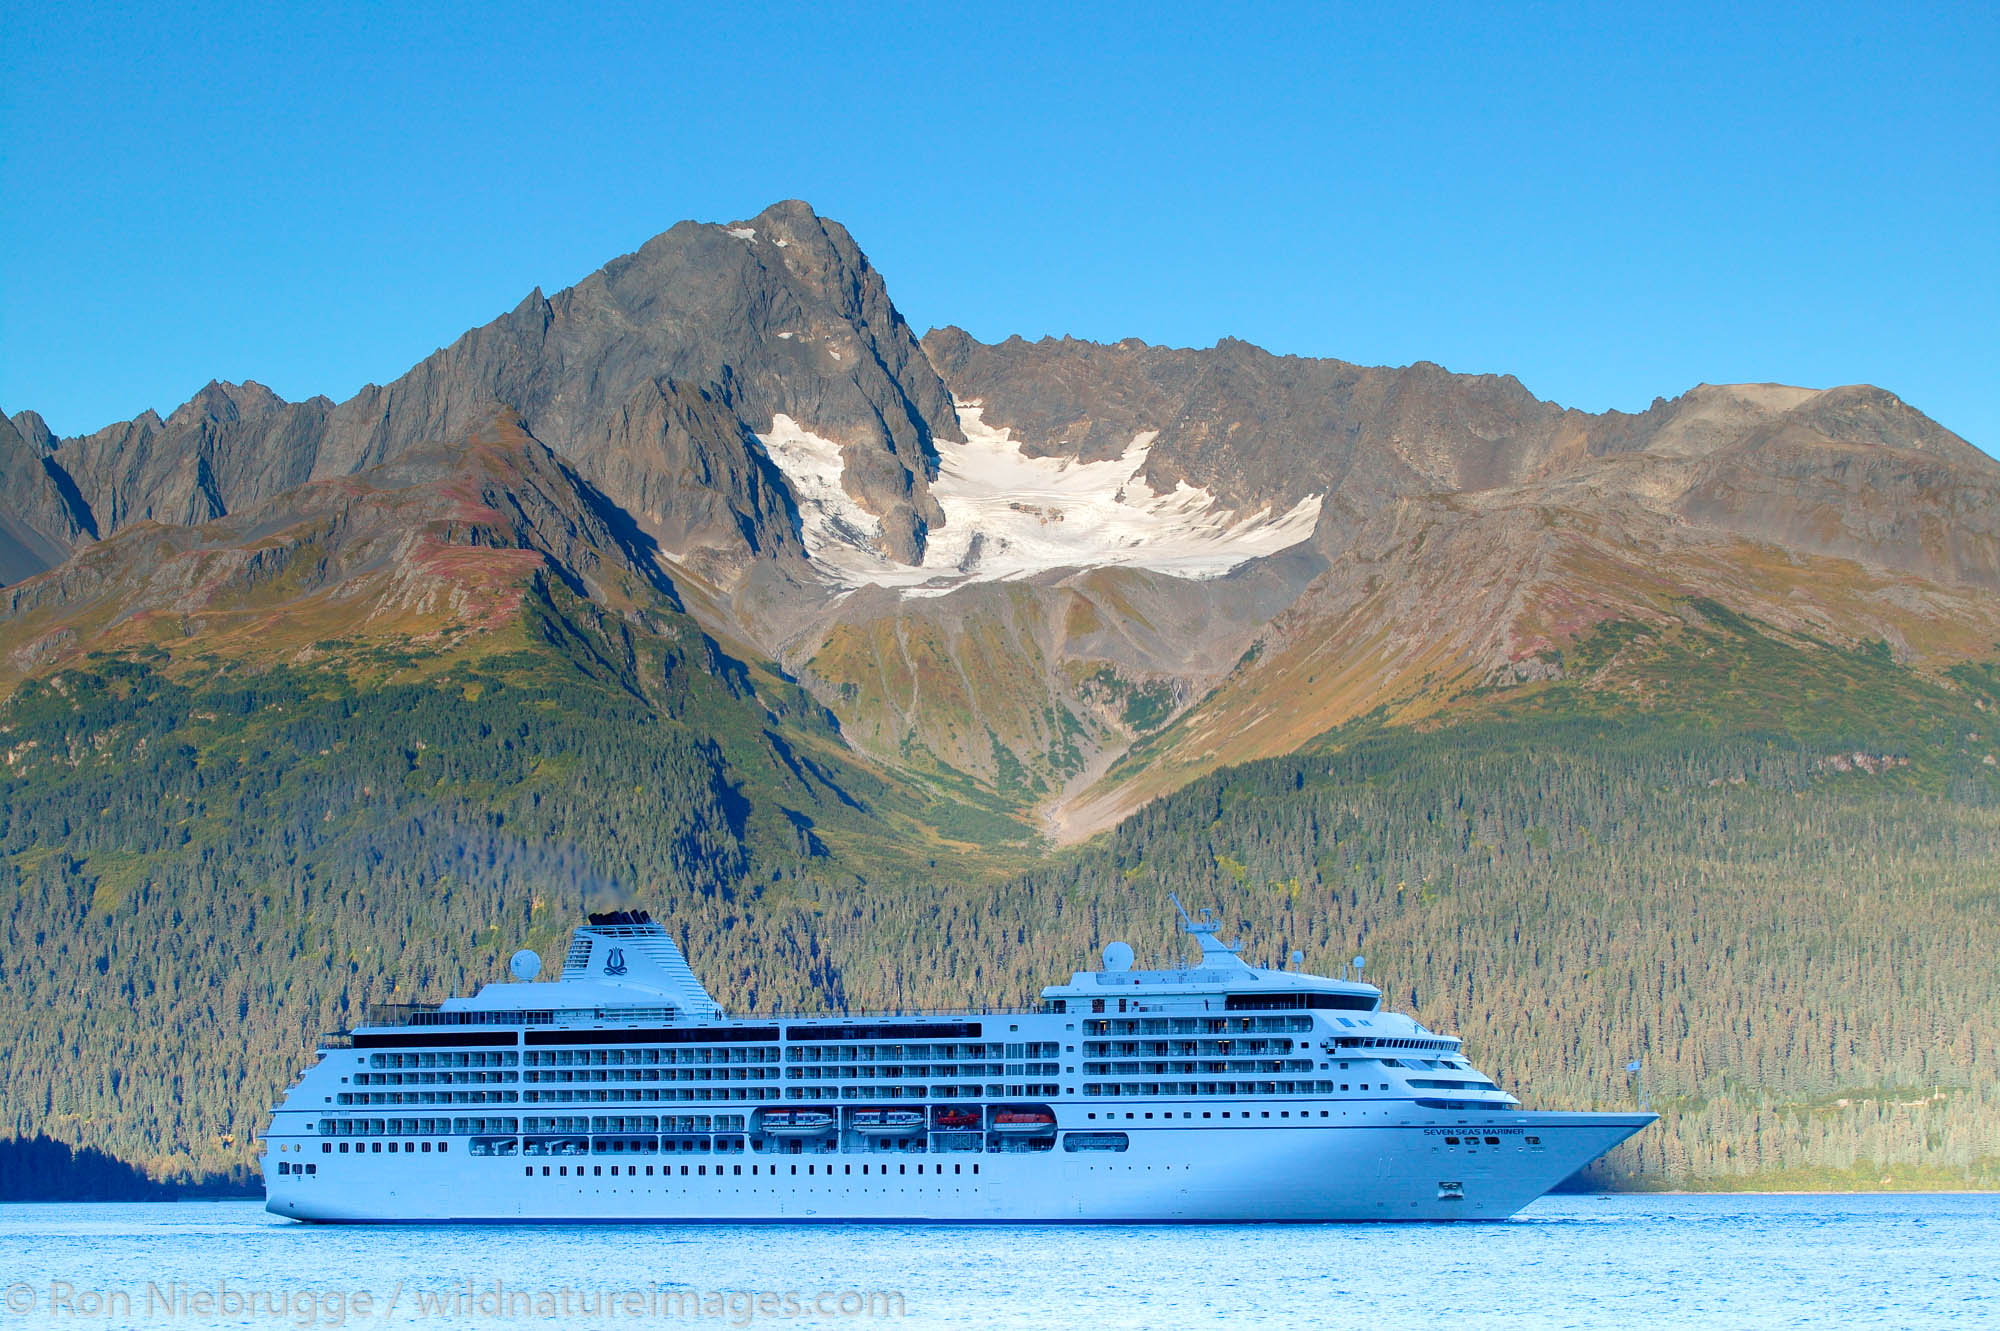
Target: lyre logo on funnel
614 961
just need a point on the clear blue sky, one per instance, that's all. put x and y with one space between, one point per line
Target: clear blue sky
1611 202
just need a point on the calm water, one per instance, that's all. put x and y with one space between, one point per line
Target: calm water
1902 1261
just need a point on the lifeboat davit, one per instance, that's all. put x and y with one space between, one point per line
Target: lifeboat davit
797 1122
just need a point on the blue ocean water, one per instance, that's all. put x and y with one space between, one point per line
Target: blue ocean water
1572 1261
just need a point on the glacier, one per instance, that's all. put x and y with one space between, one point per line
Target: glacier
1009 515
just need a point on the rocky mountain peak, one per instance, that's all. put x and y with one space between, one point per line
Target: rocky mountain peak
41 516
34 430
224 402
711 335
777 316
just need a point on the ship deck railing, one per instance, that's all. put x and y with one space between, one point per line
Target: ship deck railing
434 1014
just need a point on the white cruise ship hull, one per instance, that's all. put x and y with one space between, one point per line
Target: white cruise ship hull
1401 1171
1213 1093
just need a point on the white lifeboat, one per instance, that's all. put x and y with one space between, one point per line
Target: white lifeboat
888 1122
1024 1120
797 1122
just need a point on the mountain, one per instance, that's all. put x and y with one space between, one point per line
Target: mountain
42 517
649 371
886 665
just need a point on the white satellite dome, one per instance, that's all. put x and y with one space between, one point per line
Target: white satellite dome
1118 956
525 964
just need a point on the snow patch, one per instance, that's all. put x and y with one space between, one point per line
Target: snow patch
787 336
841 537
743 232
1009 515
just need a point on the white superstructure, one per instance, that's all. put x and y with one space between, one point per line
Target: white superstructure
620 1092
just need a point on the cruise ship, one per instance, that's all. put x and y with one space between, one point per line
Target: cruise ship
1213 1092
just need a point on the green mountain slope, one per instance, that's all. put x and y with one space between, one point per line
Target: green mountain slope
1789 914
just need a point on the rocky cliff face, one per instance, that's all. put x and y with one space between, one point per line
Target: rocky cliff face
1797 466
652 375
42 518
1075 573
437 543
778 315
1253 428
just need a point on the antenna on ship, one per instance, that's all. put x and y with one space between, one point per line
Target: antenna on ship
1634 1073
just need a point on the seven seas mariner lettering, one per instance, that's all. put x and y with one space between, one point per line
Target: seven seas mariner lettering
176 1300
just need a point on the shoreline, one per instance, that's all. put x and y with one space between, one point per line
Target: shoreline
1599 1194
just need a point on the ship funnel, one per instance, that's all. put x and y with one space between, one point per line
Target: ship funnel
627 948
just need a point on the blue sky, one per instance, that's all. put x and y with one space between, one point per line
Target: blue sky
1609 202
